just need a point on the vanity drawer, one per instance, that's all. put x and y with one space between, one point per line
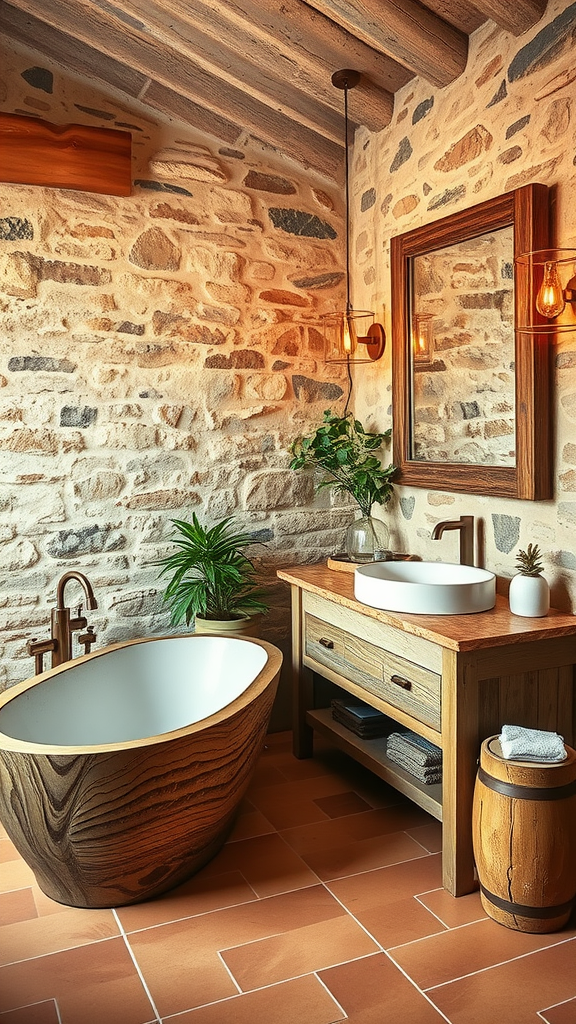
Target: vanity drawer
403 684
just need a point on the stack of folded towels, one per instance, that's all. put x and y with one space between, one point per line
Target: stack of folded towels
360 718
416 755
522 744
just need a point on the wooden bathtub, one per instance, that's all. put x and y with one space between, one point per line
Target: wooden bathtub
121 772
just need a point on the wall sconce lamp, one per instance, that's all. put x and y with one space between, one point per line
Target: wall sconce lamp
422 338
347 331
546 290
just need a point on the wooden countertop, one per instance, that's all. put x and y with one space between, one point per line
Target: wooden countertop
456 632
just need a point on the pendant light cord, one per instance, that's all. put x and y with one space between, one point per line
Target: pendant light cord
347 234
347 195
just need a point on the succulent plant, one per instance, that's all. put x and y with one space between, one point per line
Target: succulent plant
529 562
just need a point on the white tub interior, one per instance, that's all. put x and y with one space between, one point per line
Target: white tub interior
134 692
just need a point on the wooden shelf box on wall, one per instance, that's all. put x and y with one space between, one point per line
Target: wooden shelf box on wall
35 152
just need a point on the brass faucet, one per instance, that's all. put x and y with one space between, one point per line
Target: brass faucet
63 625
466 527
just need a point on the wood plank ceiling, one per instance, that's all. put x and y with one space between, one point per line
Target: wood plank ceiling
262 66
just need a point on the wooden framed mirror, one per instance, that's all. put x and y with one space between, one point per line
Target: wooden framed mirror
470 393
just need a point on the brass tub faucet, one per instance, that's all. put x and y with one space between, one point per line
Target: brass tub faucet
63 625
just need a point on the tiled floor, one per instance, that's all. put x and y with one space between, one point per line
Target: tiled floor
325 905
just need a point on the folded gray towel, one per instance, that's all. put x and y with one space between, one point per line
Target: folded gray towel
523 744
415 747
428 775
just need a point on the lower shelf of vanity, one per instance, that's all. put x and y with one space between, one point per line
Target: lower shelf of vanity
372 754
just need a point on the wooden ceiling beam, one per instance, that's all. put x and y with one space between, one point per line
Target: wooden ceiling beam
406 31
127 44
231 58
249 58
516 17
301 46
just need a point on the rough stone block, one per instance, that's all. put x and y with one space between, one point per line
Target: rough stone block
308 390
153 250
78 416
85 540
298 222
276 489
506 531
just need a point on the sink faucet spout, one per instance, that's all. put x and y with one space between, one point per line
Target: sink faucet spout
465 526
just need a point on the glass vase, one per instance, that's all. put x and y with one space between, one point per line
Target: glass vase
367 540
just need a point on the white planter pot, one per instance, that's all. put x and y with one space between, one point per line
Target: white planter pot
529 596
247 625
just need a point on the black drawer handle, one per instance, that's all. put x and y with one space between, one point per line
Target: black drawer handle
325 642
400 681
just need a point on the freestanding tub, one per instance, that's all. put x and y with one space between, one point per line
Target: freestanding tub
121 772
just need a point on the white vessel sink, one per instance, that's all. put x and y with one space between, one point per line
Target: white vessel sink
428 588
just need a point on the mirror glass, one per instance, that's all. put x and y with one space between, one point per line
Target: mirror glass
469 390
462 345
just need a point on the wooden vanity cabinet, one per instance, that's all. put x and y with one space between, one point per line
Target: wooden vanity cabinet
454 679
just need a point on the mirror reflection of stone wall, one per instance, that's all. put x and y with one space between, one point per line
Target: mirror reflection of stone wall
463 391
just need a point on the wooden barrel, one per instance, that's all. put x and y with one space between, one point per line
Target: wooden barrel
524 834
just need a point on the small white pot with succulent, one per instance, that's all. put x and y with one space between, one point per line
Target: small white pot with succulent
529 591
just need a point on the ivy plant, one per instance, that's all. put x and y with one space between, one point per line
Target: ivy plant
346 453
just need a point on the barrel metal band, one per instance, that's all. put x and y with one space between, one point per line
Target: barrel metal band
526 792
518 910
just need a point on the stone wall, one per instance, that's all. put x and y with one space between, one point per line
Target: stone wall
510 120
158 354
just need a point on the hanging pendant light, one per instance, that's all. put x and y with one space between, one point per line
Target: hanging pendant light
350 335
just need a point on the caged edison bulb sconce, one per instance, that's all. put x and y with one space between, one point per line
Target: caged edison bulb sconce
546 283
350 335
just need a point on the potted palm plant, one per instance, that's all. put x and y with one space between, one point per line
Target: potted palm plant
345 452
212 582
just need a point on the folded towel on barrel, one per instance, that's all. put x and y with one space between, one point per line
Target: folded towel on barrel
521 744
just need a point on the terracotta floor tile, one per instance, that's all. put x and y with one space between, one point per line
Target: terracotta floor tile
429 835
200 895
340 804
563 1013
388 885
353 828
26 939
384 903
301 1001
250 822
110 988
451 911
296 803
7 850
45 1012
374 991
358 842
15 874
267 863
17 905
299 951
181 964
514 992
473 947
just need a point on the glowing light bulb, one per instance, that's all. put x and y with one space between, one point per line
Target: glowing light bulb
550 299
348 335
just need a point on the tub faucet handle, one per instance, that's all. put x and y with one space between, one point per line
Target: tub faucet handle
87 639
37 649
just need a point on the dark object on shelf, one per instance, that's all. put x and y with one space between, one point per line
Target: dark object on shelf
362 719
416 755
